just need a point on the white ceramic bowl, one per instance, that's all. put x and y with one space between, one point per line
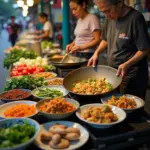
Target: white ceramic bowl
119 112
58 116
73 145
139 102
56 87
6 123
5 106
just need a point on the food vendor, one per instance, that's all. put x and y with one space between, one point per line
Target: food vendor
87 30
126 38
47 32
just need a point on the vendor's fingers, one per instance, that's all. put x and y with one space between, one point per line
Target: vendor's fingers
119 71
90 62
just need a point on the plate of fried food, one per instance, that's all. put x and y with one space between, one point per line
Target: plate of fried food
57 108
64 135
101 115
127 102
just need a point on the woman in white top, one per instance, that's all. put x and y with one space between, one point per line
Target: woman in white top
87 31
47 32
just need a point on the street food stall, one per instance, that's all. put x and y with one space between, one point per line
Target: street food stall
53 100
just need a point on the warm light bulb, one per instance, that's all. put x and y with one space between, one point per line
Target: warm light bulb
30 3
25 7
25 13
20 3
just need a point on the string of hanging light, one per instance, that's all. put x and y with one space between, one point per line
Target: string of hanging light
25 5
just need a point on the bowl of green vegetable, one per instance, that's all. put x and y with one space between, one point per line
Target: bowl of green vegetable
18 133
49 92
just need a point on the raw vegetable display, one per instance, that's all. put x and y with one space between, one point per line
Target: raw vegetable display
16 47
24 70
39 61
25 82
15 55
16 135
46 44
50 93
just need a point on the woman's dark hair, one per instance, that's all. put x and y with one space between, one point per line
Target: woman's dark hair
43 15
80 2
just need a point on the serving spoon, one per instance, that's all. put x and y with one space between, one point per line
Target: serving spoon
65 57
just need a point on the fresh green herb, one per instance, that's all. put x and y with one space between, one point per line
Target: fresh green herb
46 44
16 134
49 68
25 82
16 54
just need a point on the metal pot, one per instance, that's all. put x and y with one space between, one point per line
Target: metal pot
69 62
35 46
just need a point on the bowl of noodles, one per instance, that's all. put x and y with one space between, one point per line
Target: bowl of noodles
127 102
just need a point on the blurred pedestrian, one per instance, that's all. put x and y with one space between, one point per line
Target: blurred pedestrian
13 30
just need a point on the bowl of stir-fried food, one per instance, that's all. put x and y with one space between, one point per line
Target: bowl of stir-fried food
127 102
92 82
55 81
101 115
57 108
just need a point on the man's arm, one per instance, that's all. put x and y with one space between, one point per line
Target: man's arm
102 46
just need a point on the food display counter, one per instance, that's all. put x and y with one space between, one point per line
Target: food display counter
128 130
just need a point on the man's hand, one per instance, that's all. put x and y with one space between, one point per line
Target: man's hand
122 70
93 60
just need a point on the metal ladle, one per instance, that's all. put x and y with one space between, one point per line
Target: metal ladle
65 57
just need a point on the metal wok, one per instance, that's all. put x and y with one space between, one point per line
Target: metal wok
69 62
89 72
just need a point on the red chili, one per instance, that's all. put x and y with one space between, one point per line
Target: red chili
15 94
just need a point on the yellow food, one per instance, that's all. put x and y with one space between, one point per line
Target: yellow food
55 82
57 106
122 102
63 144
92 86
20 110
45 75
73 130
46 136
56 139
72 136
101 115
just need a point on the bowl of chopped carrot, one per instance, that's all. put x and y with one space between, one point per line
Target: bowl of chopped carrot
18 109
57 108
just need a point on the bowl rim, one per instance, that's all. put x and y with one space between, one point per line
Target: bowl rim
93 68
78 114
126 109
51 86
26 90
31 139
50 114
18 102
55 74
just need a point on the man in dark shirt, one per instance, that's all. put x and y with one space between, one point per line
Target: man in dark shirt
126 38
13 30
